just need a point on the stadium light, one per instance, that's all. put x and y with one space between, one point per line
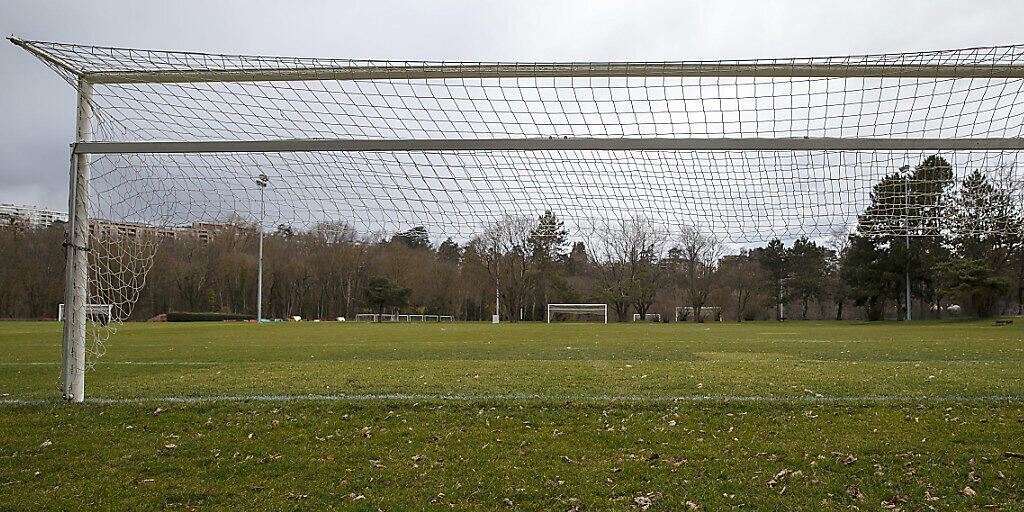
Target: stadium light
906 212
261 181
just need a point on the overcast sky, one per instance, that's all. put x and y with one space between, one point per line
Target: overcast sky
37 108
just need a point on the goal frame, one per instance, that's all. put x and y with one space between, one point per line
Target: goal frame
77 235
647 317
721 316
604 309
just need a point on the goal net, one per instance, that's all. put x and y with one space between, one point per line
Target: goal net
578 312
647 317
744 150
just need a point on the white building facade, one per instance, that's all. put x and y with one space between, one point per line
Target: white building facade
29 216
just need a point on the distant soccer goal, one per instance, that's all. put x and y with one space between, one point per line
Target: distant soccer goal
374 317
649 317
710 313
750 150
425 318
578 312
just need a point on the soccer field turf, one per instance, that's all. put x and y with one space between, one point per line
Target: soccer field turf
309 416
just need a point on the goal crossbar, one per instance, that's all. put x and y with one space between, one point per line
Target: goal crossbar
383 70
549 144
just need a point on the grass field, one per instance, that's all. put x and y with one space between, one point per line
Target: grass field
758 416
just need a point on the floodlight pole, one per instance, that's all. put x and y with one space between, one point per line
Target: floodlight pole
72 382
906 215
261 182
782 315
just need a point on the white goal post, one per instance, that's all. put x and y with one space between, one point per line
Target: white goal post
749 149
648 317
425 318
374 317
579 309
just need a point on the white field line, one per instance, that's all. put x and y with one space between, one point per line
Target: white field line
623 361
400 344
500 397
108 363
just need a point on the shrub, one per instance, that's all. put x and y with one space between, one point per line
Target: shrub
181 316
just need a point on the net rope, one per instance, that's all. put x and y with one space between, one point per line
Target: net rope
737 196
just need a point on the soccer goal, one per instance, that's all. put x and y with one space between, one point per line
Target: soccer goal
648 317
578 312
749 150
374 317
424 318
685 313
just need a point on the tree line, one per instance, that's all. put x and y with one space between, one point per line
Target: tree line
961 242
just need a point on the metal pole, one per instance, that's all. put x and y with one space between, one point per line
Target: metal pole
259 278
77 267
906 214
261 182
781 310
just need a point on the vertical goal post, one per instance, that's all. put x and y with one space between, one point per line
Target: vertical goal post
76 282
454 146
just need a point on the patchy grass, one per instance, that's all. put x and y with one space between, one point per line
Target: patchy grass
760 416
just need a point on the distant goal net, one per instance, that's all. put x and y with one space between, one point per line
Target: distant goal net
647 317
578 313
745 150
702 314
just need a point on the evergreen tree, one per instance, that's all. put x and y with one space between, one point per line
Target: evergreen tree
380 293
973 283
547 243
774 262
415 238
897 235
808 262
449 251
987 228
986 223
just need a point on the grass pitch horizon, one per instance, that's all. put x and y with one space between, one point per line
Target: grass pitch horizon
331 416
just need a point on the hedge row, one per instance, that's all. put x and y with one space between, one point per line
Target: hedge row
180 316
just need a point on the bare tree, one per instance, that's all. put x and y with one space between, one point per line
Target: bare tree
741 276
628 265
698 256
505 254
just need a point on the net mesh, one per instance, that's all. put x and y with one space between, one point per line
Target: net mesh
738 196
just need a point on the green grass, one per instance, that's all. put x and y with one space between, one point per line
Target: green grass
519 417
